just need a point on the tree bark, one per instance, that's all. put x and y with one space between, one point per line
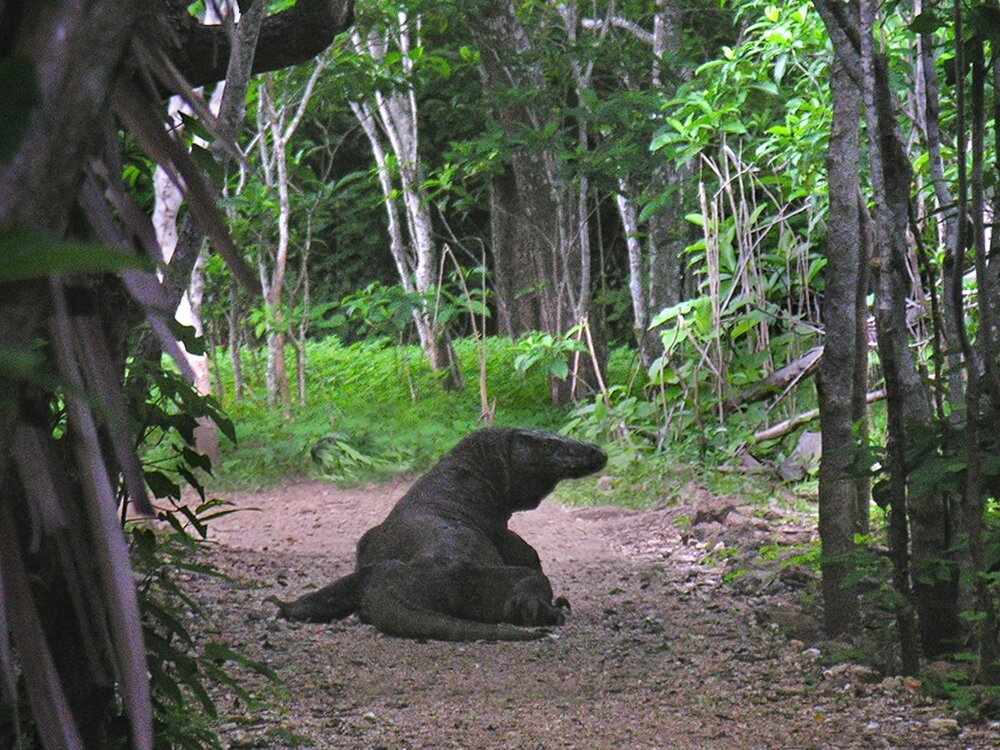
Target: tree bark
541 267
838 487
928 120
908 405
417 261
201 52
656 272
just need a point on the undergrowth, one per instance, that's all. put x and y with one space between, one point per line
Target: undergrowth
374 411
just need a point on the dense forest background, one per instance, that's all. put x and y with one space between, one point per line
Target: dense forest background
695 232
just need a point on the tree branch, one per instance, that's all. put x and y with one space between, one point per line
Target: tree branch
201 52
622 23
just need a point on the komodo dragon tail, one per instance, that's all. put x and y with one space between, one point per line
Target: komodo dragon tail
333 602
394 617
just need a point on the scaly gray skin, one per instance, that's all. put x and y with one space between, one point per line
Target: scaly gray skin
443 564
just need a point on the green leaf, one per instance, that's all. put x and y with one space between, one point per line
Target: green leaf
662 139
32 255
188 336
985 21
221 653
559 368
926 23
21 94
161 485
768 87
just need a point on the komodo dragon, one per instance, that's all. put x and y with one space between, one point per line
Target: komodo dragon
443 564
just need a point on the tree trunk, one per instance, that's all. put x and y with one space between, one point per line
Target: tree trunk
928 119
637 273
540 263
934 585
235 352
416 261
656 275
838 487
908 405
281 120
168 200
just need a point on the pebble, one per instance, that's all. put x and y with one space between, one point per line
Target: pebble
944 726
812 654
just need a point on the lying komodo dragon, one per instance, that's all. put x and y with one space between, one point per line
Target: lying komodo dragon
443 564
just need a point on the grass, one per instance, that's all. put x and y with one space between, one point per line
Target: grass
374 410
383 402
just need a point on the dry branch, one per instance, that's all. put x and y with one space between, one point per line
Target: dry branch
779 380
793 423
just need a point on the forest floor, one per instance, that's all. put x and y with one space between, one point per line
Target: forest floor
660 651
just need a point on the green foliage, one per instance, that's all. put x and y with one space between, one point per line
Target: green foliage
537 349
382 401
768 92
620 417
339 460
31 255
183 669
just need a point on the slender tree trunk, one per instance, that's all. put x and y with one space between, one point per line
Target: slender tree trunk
907 401
928 119
657 275
169 198
281 121
417 262
629 216
838 487
934 583
235 352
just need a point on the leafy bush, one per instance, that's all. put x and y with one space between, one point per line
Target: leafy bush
182 669
381 400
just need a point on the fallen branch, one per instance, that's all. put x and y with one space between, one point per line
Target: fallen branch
779 380
793 423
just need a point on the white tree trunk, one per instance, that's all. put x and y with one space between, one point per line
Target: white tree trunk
168 200
629 216
395 115
282 124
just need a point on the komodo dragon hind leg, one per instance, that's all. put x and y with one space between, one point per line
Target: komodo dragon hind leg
398 618
333 602
458 601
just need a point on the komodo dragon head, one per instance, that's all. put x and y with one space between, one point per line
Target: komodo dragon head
527 464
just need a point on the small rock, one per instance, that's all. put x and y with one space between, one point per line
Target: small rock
944 726
803 459
793 622
812 654
890 684
605 483
713 511
796 575
652 624
368 716
849 673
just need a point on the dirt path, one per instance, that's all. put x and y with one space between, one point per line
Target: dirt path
658 653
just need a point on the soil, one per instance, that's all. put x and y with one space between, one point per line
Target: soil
663 649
